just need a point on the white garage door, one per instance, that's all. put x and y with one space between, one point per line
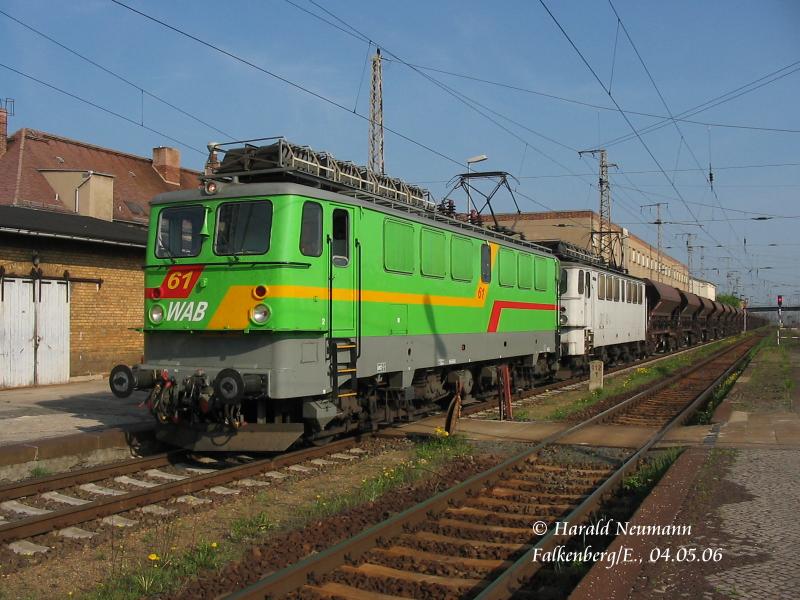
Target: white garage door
52 331
34 332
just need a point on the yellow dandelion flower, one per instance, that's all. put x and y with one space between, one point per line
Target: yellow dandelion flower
153 556
213 544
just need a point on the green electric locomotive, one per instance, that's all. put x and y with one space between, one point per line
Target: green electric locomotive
296 297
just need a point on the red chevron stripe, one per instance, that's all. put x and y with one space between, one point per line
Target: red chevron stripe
499 305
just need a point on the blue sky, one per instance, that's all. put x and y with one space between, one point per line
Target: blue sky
695 51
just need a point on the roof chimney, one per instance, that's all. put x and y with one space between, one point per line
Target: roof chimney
3 131
167 163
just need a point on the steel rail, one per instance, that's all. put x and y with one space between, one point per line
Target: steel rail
290 578
59 481
512 579
59 519
471 409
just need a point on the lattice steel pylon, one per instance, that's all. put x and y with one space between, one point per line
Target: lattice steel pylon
375 163
606 245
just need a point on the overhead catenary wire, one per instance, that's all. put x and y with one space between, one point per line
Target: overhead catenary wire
105 69
627 120
714 102
474 105
682 141
294 84
590 105
103 108
643 172
285 80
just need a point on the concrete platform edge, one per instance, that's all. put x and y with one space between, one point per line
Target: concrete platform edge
660 507
125 436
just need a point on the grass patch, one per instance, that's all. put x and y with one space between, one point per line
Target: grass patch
250 528
40 471
648 474
162 573
703 416
769 386
428 455
522 415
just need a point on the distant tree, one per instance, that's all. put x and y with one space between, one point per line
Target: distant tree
730 300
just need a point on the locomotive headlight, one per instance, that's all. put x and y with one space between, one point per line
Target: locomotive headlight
156 313
260 314
563 318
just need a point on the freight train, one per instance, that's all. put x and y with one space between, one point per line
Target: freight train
296 297
610 316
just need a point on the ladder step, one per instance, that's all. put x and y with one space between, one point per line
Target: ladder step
347 394
346 371
344 346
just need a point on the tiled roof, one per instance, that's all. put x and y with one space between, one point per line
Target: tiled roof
136 182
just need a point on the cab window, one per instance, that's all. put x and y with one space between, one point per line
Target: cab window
340 246
311 230
580 282
563 285
243 228
179 230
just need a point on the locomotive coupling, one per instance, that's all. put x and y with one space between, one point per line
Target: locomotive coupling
123 380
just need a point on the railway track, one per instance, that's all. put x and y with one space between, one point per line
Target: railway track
63 501
475 540
491 405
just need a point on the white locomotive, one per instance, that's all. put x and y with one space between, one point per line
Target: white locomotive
603 315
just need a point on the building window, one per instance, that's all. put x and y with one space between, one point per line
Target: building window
243 228
311 230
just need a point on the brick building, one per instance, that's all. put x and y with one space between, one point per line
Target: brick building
73 222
